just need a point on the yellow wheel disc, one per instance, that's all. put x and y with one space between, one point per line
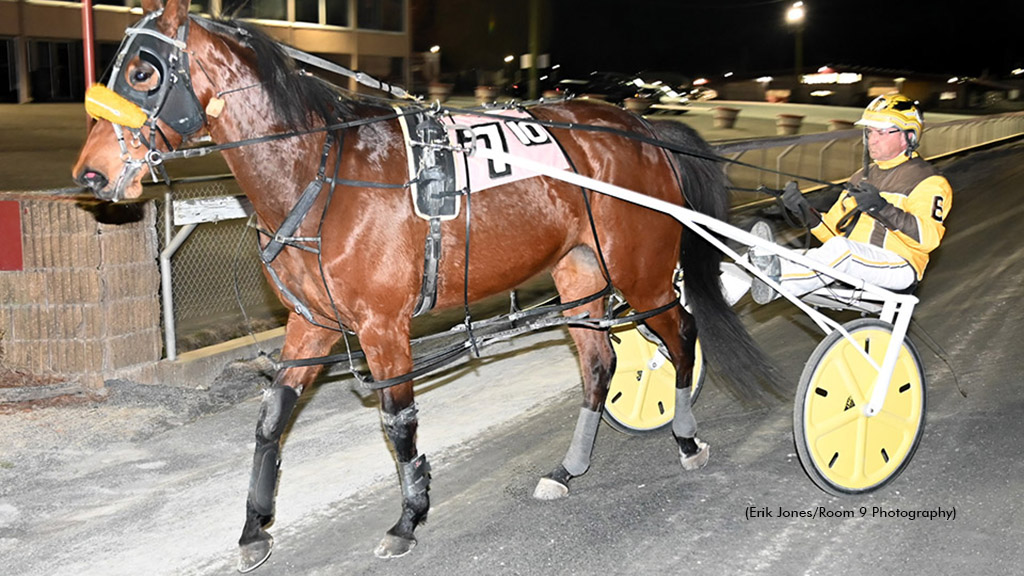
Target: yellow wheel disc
642 394
842 450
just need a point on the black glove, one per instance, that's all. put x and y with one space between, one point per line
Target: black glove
867 197
795 202
793 199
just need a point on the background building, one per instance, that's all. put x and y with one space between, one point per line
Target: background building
41 40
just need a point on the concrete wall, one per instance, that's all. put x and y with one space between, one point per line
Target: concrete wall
85 303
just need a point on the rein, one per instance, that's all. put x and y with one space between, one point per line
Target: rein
201 151
640 138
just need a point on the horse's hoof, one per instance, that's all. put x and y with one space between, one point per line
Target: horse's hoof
255 553
394 546
549 489
698 460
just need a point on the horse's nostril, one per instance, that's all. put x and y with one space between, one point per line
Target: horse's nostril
92 179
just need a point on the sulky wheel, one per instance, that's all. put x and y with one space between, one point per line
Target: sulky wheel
642 394
842 450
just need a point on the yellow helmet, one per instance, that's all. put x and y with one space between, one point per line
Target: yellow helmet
894 111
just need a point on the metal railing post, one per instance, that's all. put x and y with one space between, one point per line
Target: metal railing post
170 338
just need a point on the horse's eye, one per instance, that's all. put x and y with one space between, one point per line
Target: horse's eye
142 76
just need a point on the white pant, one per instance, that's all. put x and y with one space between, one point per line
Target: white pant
872 264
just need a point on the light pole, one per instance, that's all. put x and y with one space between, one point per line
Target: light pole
433 64
534 48
795 18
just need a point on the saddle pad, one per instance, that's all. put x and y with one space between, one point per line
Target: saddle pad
511 132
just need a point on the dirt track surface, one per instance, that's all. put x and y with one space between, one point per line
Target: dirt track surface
153 480
107 488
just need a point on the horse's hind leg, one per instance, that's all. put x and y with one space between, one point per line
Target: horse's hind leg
302 340
678 331
576 276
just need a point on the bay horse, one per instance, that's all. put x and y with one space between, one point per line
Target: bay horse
179 77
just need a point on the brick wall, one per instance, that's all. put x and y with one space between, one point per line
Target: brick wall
85 303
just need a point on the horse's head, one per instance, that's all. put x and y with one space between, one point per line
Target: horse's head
148 106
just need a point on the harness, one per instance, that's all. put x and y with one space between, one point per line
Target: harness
434 196
285 234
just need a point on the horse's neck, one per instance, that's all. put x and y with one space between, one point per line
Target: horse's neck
272 177
273 173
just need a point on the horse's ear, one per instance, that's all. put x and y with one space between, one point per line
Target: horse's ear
152 5
175 13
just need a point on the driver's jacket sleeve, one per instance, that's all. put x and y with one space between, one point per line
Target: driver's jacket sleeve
919 200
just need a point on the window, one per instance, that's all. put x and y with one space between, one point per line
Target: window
8 72
337 12
56 70
386 15
307 11
236 9
262 9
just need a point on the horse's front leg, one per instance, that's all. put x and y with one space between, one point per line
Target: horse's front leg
302 340
388 353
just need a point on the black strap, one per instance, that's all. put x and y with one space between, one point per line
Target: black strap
204 150
848 222
298 212
639 316
680 149
431 265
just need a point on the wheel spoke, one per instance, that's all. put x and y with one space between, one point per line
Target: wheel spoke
819 429
848 377
894 419
860 449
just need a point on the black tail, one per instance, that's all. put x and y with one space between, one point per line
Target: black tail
725 341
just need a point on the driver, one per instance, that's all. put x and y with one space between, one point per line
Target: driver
886 221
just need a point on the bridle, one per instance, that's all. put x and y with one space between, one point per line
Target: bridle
171 102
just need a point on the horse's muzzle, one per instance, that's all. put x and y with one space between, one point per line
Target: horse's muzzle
96 182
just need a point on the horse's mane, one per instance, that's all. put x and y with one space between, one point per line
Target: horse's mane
299 99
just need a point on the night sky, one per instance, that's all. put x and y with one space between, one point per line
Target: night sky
710 37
